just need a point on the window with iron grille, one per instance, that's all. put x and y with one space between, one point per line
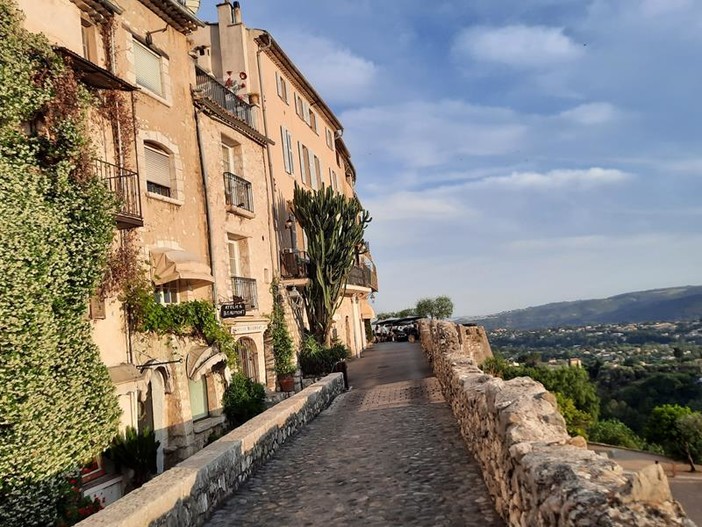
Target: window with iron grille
238 192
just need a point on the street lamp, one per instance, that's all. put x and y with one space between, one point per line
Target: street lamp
289 225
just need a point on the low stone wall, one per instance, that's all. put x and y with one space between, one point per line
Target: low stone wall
536 473
186 495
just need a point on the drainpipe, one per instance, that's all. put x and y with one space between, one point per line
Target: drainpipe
275 249
208 212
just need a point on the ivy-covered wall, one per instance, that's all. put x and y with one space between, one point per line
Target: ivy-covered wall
57 407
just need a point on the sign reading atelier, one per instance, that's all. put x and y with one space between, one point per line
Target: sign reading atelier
233 309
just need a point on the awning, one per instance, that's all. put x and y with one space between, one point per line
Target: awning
123 373
92 74
367 312
172 265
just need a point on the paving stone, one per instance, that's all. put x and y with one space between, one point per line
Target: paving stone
384 455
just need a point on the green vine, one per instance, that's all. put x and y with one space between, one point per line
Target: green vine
196 319
283 351
57 403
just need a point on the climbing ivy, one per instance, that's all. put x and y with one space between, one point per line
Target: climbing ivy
57 408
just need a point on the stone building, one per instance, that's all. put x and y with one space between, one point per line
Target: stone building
208 135
308 150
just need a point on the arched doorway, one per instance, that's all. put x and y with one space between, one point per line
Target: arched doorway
152 414
248 353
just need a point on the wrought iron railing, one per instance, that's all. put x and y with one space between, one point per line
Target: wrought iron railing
124 184
294 264
246 288
223 97
238 192
362 275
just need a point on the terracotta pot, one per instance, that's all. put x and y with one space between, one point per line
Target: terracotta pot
287 383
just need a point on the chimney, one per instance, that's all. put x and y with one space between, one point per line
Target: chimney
236 13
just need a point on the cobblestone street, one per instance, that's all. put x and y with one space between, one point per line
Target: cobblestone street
388 452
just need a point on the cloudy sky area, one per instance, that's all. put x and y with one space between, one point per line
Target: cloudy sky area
517 152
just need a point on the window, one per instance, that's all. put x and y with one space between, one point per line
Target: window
330 139
147 67
88 35
302 109
317 173
298 105
287 142
166 293
227 158
198 398
334 182
158 170
313 121
282 87
305 168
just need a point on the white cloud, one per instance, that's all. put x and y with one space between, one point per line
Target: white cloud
336 72
654 8
582 179
591 113
413 205
518 45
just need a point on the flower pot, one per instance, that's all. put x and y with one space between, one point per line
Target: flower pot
286 382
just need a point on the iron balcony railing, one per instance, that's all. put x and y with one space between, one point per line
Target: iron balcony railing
362 275
238 192
294 264
226 99
245 288
124 184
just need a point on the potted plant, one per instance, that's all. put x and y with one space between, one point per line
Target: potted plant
283 352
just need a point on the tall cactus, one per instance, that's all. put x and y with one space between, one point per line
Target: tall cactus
334 225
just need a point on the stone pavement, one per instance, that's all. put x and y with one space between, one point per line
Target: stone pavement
387 453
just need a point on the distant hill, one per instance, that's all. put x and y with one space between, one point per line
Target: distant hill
674 303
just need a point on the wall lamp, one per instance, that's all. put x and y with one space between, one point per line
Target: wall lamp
149 39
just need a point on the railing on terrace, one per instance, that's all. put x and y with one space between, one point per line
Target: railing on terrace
294 264
246 289
238 192
223 97
124 184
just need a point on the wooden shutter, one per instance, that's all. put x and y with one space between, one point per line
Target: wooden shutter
284 141
158 166
317 175
304 161
147 66
291 157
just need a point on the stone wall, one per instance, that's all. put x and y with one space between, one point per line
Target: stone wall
187 494
536 473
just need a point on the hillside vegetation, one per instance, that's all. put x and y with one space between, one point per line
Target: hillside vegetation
671 304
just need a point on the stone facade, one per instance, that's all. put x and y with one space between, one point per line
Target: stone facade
536 473
186 495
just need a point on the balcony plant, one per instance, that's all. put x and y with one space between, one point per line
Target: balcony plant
283 351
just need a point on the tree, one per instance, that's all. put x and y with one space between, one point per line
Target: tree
690 433
334 226
443 307
425 307
439 307
662 427
614 432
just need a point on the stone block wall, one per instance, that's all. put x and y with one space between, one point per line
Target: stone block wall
187 494
535 472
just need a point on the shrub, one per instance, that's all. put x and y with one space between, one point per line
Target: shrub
614 432
137 451
319 360
243 399
72 506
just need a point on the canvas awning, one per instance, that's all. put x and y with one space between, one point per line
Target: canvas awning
171 265
367 312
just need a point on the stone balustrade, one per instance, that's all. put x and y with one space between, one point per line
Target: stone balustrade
187 494
535 472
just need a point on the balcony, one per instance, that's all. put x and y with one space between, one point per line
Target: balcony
246 288
224 98
237 192
363 276
294 264
124 184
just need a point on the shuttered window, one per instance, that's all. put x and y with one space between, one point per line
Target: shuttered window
317 173
333 180
305 169
286 141
281 86
147 66
158 169
226 158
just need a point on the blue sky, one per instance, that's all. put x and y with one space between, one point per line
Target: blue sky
513 152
